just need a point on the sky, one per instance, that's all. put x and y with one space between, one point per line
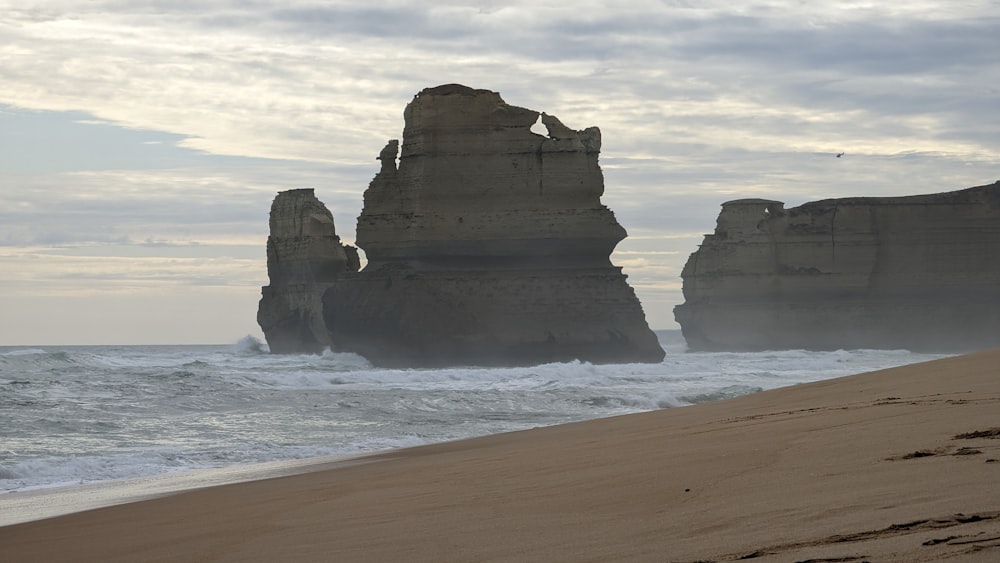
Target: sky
142 141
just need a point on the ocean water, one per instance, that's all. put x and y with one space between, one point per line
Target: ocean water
85 414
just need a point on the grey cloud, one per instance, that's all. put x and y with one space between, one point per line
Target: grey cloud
892 46
396 23
869 64
771 50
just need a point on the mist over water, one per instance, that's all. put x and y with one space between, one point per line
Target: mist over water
92 413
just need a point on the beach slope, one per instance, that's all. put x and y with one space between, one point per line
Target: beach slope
896 465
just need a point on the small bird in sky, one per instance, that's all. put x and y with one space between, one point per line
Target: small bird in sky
840 154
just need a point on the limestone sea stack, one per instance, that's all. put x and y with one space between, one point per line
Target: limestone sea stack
304 255
917 272
486 244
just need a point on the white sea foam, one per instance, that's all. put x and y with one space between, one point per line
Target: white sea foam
85 414
23 352
250 345
59 471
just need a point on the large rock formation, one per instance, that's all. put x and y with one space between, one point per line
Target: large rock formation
304 255
916 272
487 244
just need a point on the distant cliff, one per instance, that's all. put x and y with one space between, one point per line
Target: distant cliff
487 244
917 272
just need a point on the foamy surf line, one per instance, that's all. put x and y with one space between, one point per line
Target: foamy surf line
38 504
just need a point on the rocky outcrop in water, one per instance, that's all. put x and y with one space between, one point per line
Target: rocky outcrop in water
916 272
487 244
304 255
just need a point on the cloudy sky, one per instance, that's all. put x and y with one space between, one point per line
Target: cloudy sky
141 141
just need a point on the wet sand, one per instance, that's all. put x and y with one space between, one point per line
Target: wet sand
47 502
897 465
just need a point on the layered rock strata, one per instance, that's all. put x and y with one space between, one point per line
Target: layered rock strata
916 272
304 256
487 244
475 187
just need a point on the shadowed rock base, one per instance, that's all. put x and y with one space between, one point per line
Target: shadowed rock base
404 317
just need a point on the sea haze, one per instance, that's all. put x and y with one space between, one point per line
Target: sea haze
82 414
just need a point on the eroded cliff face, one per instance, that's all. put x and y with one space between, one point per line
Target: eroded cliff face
916 272
475 187
487 244
304 255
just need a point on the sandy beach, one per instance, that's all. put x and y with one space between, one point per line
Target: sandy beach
896 465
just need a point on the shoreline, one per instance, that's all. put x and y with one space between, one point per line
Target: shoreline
863 467
40 503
